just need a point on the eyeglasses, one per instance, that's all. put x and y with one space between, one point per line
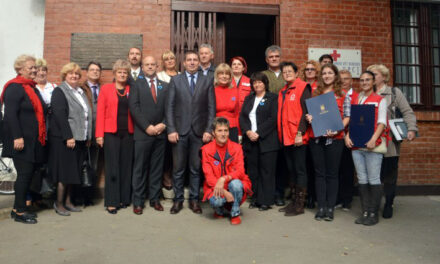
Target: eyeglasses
309 69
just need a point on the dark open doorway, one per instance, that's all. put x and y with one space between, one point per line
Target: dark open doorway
248 36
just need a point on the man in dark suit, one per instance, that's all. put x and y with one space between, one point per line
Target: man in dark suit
147 106
190 111
135 58
206 54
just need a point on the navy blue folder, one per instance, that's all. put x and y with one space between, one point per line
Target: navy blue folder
361 125
325 112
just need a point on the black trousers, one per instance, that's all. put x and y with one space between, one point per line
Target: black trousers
148 163
346 177
388 175
261 168
25 171
233 134
186 152
326 160
296 164
310 175
282 178
118 154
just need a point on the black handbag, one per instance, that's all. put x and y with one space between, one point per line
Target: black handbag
88 174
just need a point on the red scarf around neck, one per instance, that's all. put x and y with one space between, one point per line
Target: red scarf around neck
29 86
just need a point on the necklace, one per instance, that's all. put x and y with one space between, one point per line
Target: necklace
121 94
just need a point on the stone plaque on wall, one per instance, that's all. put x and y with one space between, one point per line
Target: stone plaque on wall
102 47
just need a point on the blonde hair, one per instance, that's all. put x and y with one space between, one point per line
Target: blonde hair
302 71
344 71
382 69
168 54
21 60
121 64
41 63
70 67
223 68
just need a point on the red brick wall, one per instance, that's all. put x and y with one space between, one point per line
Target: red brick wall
350 24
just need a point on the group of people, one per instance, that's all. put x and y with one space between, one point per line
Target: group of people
236 135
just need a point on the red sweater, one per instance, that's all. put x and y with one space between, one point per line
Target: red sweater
107 111
227 103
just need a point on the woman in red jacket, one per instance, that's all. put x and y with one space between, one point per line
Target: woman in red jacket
114 132
327 150
240 80
292 127
226 98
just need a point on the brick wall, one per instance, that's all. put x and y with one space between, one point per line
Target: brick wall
350 24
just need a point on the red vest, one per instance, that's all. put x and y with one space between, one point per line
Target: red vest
290 112
244 89
375 100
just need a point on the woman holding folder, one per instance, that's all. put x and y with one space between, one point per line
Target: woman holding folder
327 150
367 161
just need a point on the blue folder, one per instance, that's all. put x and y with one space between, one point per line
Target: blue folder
325 112
361 125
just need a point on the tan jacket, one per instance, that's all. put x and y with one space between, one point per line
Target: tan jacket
407 113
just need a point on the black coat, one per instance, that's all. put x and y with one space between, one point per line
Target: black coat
143 109
266 122
20 122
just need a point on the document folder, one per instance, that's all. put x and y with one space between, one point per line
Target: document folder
361 125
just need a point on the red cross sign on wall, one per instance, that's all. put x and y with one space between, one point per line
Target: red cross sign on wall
335 55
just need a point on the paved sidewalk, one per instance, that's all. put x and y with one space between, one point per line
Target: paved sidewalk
94 236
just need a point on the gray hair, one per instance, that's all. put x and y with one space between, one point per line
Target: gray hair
206 45
273 48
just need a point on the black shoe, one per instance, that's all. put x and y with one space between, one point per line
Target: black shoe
33 215
320 214
112 211
361 219
372 219
279 202
253 205
25 218
346 207
329 216
387 211
264 207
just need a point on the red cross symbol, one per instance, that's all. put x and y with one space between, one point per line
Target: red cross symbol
335 55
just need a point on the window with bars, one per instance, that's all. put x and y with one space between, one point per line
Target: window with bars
416 40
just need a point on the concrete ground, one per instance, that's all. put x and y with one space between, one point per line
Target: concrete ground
94 236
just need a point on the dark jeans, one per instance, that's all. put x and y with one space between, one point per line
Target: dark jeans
326 160
296 164
186 152
261 168
25 171
346 177
118 149
388 175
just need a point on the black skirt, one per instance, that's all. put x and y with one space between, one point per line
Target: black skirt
65 163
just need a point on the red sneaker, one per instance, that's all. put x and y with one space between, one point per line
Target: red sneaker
236 220
217 216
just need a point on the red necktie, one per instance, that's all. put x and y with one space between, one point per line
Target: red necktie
153 90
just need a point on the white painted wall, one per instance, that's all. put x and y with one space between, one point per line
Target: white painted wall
21 32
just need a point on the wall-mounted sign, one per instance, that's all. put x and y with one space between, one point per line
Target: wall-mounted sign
348 59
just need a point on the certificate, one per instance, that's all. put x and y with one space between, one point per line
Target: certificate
325 113
361 125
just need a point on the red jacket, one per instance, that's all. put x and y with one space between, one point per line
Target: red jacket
340 103
226 104
214 168
375 100
107 111
244 89
290 112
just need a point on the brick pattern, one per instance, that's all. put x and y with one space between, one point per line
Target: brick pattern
351 24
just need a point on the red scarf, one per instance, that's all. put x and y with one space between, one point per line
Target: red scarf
29 86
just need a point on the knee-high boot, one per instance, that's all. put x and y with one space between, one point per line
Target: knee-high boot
300 197
373 210
364 198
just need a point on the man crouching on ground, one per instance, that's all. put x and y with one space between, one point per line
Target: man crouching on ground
226 184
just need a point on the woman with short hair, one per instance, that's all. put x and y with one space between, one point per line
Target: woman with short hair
226 98
70 132
24 131
169 66
240 80
397 107
114 132
258 121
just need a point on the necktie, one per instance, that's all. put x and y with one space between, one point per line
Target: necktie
135 75
95 94
153 90
193 84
